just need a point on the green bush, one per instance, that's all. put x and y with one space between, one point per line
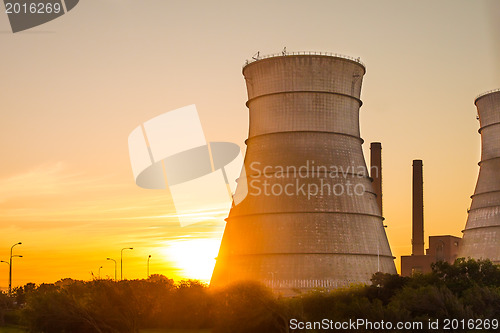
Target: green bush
467 289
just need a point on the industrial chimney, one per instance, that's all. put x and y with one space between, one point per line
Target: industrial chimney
417 241
482 232
376 171
310 218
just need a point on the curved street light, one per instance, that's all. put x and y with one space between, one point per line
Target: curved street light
10 266
121 261
148 265
115 265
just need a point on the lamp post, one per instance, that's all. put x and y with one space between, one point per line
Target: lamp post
5 262
121 261
10 267
10 276
115 265
99 275
148 265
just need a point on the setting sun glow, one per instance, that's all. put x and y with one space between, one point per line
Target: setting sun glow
196 257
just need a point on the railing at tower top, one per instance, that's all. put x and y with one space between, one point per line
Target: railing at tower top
258 57
486 93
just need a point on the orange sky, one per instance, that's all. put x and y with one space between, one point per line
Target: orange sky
72 90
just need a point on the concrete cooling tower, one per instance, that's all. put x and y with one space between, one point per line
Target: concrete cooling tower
310 217
482 232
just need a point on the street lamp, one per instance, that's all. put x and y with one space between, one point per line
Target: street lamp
148 265
121 261
99 275
10 267
115 265
5 262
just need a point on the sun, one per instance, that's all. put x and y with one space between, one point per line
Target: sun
195 257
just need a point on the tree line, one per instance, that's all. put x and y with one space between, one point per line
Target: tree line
467 289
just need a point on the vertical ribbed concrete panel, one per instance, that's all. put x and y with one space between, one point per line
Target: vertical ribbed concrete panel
376 172
310 218
482 232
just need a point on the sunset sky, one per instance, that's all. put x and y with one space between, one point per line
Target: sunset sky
72 90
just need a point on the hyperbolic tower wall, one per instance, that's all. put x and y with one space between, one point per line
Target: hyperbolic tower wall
304 114
482 232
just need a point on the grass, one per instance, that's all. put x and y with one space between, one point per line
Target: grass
174 331
12 329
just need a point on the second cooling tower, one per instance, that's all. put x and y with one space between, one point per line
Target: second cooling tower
482 233
310 216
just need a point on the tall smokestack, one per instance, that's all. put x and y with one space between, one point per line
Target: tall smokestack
376 171
418 209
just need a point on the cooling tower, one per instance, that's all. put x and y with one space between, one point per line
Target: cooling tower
482 232
310 217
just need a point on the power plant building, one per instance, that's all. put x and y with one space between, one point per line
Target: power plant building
309 217
441 248
481 239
